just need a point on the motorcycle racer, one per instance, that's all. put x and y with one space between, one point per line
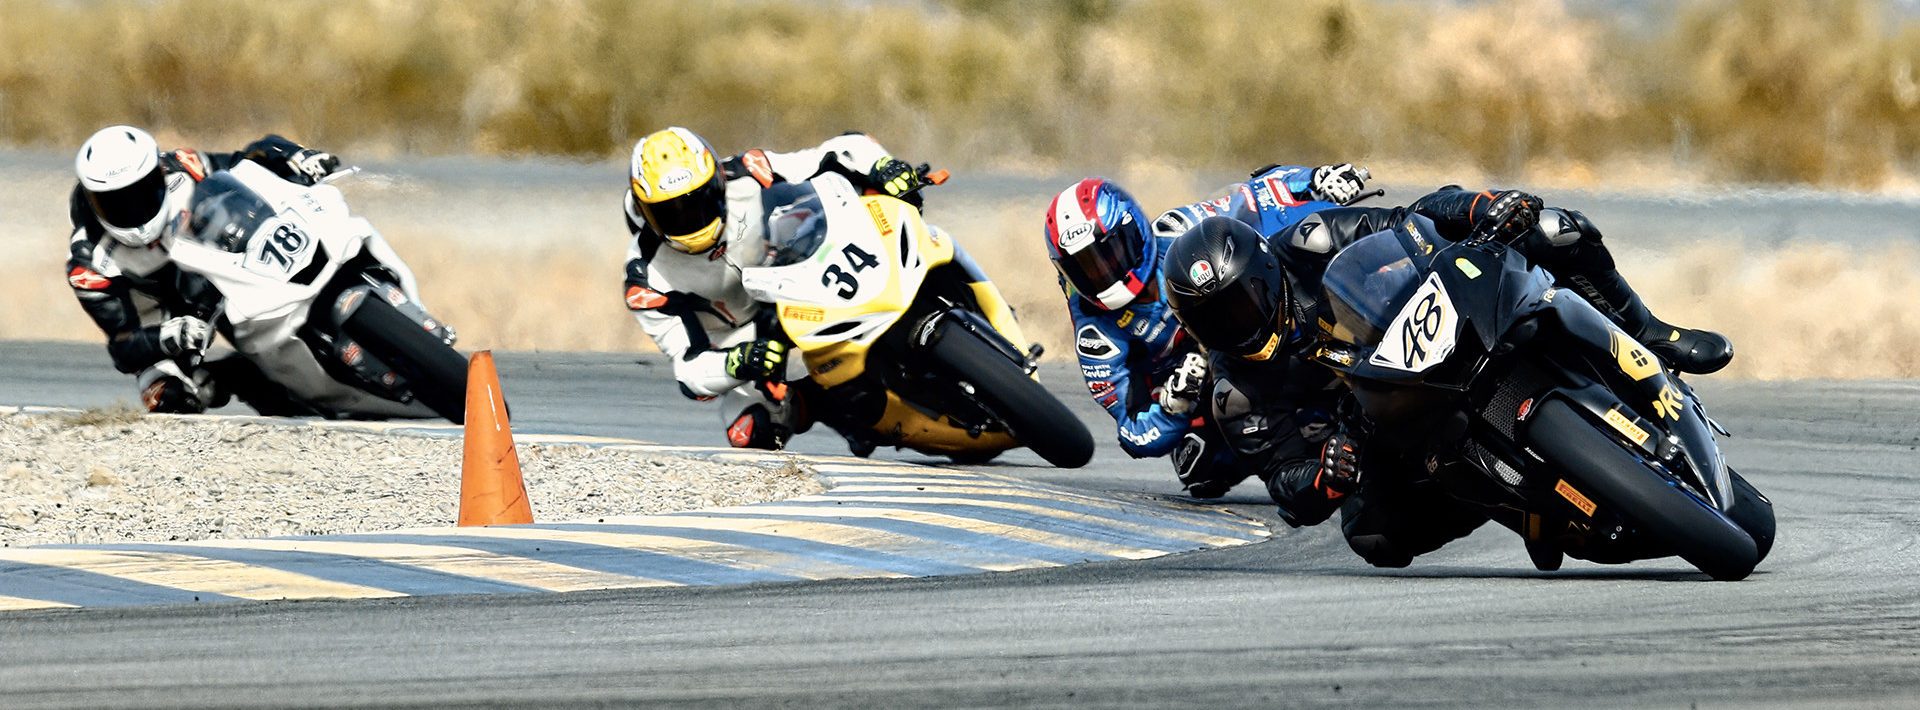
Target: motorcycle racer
1251 301
158 322
1137 362
691 201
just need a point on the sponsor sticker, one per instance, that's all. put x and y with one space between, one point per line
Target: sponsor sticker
1100 388
675 180
1201 272
880 220
1467 267
1076 236
803 313
1579 501
1620 422
1093 344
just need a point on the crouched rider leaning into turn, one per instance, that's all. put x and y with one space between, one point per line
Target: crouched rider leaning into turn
159 320
685 198
1136 361
1253 302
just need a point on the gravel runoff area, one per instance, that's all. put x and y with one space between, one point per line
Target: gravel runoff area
116 476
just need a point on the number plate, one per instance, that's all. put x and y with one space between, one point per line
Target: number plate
279 250
1424 332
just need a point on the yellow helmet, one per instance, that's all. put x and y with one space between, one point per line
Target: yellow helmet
680 190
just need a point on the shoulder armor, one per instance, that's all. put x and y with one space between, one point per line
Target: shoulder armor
752 163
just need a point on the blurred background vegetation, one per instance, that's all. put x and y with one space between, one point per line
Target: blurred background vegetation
1808 91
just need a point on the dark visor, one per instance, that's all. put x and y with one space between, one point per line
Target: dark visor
688 213
1100 265
133 205
1238 320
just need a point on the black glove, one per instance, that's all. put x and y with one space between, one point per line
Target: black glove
894 176
313 164
1507 216
1339 466
758 361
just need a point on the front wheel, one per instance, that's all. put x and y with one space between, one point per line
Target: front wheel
1594 462
1036 419
435 372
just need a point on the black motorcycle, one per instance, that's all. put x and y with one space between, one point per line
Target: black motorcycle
1524 401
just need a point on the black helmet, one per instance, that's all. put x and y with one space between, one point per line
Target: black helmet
1228 290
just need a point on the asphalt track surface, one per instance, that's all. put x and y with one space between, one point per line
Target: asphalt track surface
1830 619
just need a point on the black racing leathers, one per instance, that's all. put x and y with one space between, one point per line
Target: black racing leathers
117 298
1276 413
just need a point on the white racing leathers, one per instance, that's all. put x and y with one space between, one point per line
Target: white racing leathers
692 305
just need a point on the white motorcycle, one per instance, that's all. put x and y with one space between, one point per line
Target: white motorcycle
316 298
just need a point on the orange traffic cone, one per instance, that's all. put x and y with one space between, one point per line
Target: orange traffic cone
491 490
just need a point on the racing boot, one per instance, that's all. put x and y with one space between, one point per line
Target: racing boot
1569 245
167 388
1204 472
755 428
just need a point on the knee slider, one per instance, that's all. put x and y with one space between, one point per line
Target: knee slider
1379 551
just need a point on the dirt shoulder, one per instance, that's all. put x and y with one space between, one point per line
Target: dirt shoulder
116 476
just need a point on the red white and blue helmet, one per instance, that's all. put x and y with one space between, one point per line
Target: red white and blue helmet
1099 240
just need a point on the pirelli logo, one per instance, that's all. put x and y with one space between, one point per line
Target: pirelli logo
1626 426
1579 501
803 313
880 218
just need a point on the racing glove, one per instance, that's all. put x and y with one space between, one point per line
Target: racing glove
1339 184
1182 390
185 335
1504 216
757 361
1339 466
894 176
313 164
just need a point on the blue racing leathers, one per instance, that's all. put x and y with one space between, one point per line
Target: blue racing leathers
1124 355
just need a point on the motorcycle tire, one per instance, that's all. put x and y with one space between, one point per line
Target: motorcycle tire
435 372
1034 416
1700 535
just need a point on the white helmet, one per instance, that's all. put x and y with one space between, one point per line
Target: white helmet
119 170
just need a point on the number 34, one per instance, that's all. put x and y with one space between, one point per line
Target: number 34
859 260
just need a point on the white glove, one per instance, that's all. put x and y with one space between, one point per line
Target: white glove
315 165
1182 390
185 334
1339 184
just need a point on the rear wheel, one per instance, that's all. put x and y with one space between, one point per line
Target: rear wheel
1035 418
1602 468
435 372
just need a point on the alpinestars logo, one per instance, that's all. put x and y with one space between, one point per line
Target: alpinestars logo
1093 344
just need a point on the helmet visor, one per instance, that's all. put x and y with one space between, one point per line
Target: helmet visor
1237 320
689 213
133 205
1096 268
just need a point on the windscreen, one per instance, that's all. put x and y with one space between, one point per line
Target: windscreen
1366 284
796 224
224 213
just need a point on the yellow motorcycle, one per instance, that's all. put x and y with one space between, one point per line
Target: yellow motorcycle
905 342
